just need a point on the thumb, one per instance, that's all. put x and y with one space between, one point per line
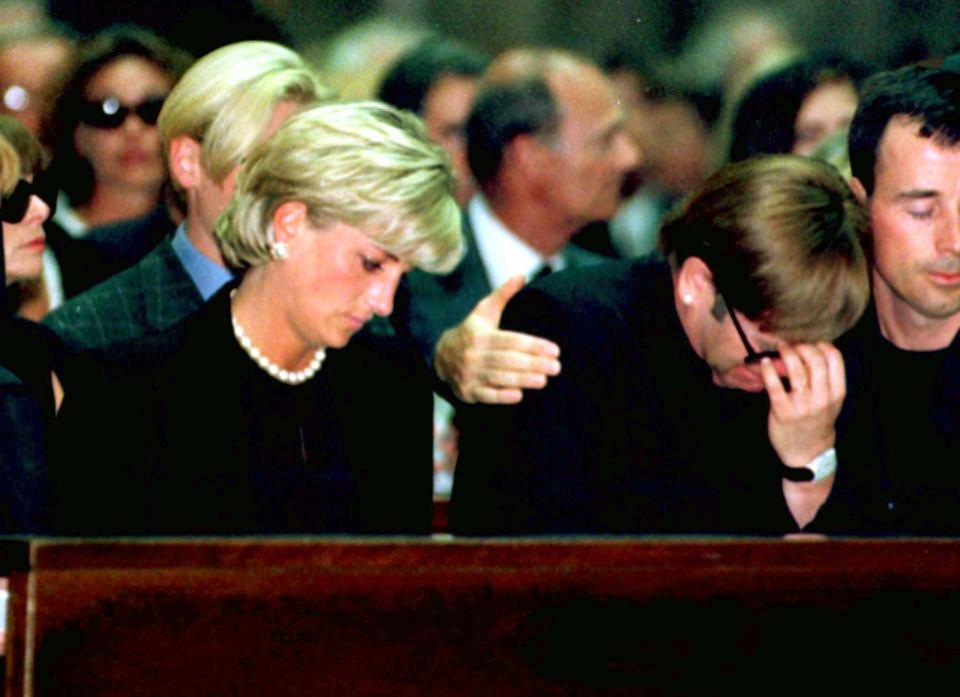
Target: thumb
491 307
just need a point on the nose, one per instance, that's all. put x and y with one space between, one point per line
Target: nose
948 235
38 210
382 290
133 123
627 151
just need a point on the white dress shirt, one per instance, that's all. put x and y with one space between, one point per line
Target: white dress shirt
504 255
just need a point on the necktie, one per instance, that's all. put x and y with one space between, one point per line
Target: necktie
543 271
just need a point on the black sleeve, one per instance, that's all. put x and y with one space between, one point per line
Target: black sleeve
520 468
23 468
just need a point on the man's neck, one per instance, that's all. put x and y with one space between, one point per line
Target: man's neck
204 241
110 205
532 223
906 328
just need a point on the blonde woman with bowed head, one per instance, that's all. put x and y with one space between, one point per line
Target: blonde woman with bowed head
275 415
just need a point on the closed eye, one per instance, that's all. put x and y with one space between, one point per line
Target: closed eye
370 265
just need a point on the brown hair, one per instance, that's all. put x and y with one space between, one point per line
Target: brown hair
781 235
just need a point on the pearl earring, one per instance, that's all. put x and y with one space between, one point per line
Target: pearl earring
278 250
687 299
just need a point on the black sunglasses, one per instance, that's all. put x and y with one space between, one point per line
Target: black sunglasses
14 206
753 356
109 113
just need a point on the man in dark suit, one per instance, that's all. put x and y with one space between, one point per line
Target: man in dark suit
226 104
670 415
547 147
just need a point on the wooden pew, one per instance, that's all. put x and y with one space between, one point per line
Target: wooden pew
513 617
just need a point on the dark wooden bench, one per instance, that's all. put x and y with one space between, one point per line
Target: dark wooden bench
428 617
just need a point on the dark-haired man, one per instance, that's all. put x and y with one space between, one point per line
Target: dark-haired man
901 428
547 146
437 80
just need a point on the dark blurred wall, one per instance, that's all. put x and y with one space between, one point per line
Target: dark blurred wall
880 31
884 32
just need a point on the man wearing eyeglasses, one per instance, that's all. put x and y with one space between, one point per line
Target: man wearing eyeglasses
900 431
697 395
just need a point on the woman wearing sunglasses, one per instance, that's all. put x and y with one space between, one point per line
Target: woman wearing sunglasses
107 154
29 197
29 392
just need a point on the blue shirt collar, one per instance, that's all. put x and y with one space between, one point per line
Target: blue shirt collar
207 275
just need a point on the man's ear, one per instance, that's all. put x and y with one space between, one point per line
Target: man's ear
859 191
693 284
524 156
185 161
289 220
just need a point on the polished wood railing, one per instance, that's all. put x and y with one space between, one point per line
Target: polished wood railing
456 617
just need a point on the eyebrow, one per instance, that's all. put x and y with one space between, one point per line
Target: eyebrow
610 127
917 193
386 255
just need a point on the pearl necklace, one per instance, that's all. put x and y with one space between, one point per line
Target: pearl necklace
290 377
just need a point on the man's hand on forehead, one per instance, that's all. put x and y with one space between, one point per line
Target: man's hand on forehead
801 421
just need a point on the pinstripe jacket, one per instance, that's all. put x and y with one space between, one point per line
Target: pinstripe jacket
141 301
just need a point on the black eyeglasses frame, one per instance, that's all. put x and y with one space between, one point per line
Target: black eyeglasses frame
753 356
14 206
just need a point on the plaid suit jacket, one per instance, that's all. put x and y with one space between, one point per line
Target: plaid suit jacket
141 301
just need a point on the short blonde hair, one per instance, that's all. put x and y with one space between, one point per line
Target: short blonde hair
28 156
365 164
782 236
226 100
9 166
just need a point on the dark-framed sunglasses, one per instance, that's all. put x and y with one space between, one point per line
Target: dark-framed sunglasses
14 206
753 356
109 113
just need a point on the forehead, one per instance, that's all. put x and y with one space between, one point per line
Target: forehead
449 97
32 56
907 160
585 99
127 75
833 99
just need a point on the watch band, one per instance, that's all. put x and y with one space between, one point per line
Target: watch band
820 467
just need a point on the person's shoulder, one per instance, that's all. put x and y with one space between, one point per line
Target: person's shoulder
578 256
123 244
615 298
605 282
8 379
154 225
94 317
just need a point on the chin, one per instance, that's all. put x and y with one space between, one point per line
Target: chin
335 342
